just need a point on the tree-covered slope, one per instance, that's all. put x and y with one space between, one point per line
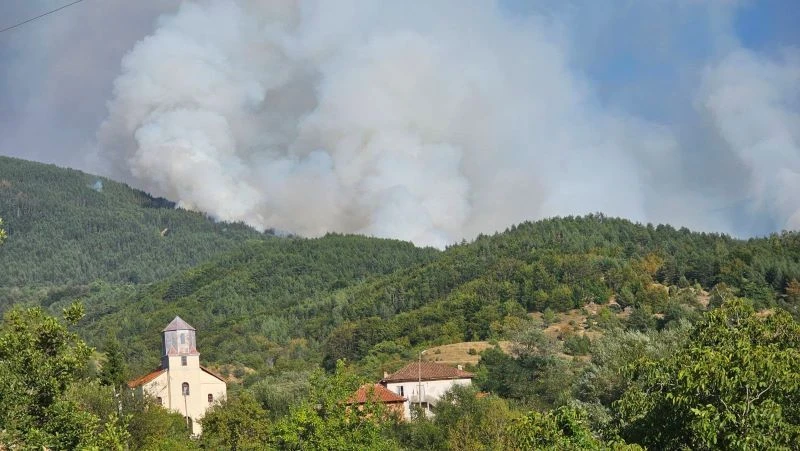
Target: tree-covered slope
363 298
65 227
478 291
241 301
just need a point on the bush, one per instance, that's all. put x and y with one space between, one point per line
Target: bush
577 345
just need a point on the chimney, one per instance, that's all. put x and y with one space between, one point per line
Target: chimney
385 374
460 367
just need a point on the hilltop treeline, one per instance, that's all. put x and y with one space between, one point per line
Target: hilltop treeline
67 227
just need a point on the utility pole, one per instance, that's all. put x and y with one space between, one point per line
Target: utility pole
419 380
186 410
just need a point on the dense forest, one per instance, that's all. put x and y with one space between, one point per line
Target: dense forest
587 326
68 227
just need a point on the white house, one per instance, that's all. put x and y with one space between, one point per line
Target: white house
424 383
180 383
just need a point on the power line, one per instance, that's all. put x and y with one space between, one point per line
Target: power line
39 16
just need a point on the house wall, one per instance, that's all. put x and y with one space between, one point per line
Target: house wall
168 386
431 391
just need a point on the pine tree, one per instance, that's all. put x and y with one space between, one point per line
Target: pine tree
113 371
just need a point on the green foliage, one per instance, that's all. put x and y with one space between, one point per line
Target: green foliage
470 421
113 372
140 423
277 393
642 319
603 380
238 423
576 344
39 360
562 429
533 375
324 421
152 427
62 231
733 385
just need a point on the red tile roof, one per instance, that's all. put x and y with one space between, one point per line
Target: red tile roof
428 371
157 372
146 378
375 392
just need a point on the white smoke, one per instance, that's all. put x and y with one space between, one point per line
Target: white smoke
754 104
425 121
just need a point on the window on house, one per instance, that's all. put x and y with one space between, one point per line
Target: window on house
185 389
183 360
402 393
210 397
160 401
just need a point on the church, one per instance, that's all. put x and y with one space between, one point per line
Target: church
180 383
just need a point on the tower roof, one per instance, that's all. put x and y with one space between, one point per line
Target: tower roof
178 324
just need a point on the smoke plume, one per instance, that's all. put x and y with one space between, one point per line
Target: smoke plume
425 121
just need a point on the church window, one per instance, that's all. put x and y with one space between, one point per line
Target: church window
185 389
183 360
160 401
401 391
183 339
210 397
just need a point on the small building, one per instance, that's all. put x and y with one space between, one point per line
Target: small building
424 383
377 393
180 383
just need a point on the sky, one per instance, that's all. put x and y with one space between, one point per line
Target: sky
428 121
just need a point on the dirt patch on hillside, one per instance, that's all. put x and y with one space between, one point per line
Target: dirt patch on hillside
467 352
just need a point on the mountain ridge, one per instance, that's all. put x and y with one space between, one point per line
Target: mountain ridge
66 227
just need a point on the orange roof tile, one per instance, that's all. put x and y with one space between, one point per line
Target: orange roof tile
428 371
375 392
146 378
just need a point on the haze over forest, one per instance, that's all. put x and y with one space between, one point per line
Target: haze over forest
422 121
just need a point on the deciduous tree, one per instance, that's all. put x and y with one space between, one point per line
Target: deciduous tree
734 385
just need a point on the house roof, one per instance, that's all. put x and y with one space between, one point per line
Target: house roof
376 392
212 373
178 324
146 378
158 371
427 371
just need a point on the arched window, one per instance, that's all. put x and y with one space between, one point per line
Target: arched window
210 397
185 389
160 401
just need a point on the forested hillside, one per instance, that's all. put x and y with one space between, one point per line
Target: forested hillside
243 301
300 303
68 227
279 317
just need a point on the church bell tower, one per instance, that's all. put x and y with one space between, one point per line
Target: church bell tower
179 346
